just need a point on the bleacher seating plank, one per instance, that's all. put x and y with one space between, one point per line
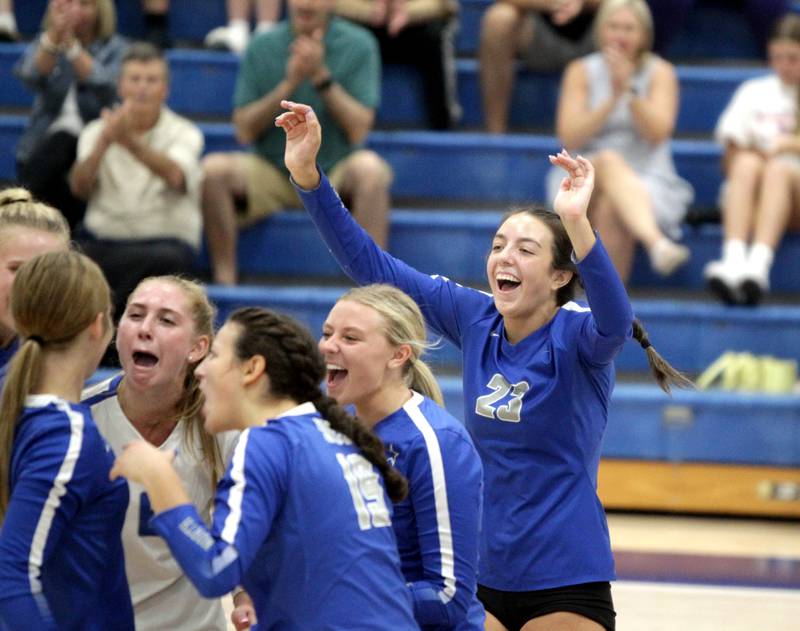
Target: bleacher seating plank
697 488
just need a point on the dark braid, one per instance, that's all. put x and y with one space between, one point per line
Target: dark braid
665 374
295 369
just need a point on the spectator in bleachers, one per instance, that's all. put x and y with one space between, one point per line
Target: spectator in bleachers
27 228
8 23
544 34
618 107
759 132
419 33
72 67
670 15
138 167
236 35
331 64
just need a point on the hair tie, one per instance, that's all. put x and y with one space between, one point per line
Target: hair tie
15 200
645 343
37 339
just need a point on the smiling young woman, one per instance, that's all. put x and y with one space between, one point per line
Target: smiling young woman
538 373
164 333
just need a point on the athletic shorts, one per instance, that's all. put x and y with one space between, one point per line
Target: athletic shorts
514 609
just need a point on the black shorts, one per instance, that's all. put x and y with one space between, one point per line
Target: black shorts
514 609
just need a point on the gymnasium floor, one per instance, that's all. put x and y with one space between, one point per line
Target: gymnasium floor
705 574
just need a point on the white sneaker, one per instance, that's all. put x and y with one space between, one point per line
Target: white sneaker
754 283
666 256
724 280
227 38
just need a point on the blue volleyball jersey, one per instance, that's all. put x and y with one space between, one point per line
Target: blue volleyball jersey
437 525
536 410
61 560
302 522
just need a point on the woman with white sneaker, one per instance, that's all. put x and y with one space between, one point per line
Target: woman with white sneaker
236 35
761 195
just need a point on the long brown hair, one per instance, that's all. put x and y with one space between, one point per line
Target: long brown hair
295 369
403 323
55 296
663 372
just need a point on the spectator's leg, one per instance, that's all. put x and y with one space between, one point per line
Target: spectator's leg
224 180
365 179
630 199
743 178
744 170
775 201
268 12
46 173
156 19
618 241
505 30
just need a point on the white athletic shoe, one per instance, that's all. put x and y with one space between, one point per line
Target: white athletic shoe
227 38
667 256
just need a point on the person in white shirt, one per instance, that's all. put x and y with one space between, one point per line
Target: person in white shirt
164 333
759 199
138 168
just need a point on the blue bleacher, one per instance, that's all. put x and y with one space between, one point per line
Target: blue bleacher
691 334
441 173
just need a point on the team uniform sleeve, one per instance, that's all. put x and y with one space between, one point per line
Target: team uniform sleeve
43 502
247 500
610 324
447 306
446 486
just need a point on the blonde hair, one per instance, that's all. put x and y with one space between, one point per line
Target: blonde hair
202 314
54 297
18 209
106 24
403 324
639 9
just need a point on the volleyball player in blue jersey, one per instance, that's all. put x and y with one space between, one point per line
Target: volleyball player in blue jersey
27 228
538 373
61 559
372 341
301 520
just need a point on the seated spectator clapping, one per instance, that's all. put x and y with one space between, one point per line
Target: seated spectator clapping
138 167
618 107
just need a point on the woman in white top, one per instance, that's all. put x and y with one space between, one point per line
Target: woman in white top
618 107
761 195
164 333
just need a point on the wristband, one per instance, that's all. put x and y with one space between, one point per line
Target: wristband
74 51
47 44
324 85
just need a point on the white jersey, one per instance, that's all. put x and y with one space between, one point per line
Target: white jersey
163 597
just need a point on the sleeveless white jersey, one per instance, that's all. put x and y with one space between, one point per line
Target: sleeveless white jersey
163 597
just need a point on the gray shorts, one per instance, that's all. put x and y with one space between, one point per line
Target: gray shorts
552 51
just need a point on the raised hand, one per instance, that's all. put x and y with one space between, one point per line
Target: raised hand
576 188
303 140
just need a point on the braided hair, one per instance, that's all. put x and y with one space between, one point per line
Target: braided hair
664 373
295 369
